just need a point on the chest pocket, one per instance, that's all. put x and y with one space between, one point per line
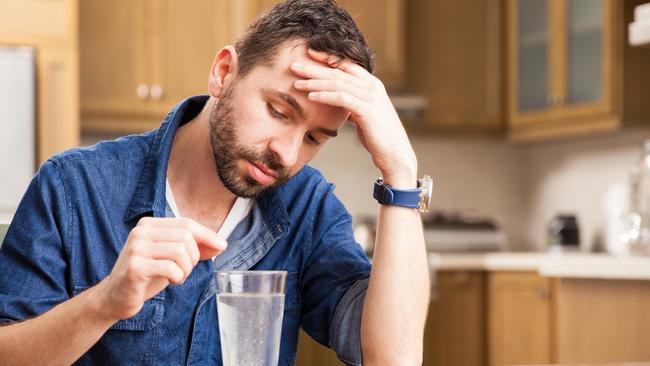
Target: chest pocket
148 317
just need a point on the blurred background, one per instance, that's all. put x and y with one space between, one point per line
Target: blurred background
530 116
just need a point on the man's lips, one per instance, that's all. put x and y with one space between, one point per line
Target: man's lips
261 173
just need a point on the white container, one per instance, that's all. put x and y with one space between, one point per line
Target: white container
617 214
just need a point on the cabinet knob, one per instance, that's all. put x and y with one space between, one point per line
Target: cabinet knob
156 92
142 91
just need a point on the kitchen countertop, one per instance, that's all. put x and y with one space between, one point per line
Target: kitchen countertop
566 265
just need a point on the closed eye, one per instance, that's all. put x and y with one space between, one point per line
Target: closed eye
311 139
274 112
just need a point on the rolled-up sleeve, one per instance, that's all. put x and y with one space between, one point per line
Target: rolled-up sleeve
32 260
345 329
334 283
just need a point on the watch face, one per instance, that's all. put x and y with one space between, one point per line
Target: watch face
426 184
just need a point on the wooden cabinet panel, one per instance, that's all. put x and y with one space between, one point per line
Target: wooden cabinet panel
454 53
139 58
602 320
113 56
519 320
455 329
187 38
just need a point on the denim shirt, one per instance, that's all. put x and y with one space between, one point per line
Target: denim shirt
75 217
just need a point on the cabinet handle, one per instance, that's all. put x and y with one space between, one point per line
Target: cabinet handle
156 92
555 100
142 91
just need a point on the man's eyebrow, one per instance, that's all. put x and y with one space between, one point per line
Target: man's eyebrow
289 99
325 131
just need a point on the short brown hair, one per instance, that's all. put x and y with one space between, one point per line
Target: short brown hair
321 23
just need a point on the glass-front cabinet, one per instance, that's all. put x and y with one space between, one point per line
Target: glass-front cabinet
560 69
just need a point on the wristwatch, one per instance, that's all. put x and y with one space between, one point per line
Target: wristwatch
419 198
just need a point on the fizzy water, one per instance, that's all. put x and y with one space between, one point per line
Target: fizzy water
250 326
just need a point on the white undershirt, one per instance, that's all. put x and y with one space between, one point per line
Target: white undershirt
238 212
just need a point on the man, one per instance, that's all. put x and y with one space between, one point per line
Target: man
110 257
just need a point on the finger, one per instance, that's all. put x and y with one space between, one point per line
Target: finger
203 235
319 72
338 62
172 234
338 99
163 268
333 85
176 252
207 252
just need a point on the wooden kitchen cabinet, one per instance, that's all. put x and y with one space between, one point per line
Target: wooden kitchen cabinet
519 318
601 321
455 328
455 61
570 69
141 57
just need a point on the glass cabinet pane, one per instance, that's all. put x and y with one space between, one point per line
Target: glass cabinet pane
532 48
584 51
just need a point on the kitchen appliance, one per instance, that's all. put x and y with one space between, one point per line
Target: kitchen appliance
563 233
18 136
443 232
446 232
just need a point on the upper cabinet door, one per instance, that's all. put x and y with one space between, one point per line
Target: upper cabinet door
112 56
533 42
185 40
562 65
454 55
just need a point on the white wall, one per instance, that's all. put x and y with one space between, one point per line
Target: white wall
574 177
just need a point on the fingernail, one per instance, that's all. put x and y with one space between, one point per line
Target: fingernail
311 95
300 83
298 65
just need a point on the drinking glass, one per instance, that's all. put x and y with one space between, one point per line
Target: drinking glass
250 305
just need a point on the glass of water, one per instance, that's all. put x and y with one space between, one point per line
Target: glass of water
250 305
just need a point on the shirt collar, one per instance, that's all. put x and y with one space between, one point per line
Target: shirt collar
149 197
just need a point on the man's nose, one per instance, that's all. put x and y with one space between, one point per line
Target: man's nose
287 147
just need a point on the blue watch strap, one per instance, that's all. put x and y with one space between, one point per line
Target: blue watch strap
386 195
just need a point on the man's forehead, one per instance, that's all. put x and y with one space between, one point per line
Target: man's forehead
287 53
293 51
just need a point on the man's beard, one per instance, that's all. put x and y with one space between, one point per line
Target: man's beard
227 151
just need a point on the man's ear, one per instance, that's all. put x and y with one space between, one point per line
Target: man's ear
224 69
